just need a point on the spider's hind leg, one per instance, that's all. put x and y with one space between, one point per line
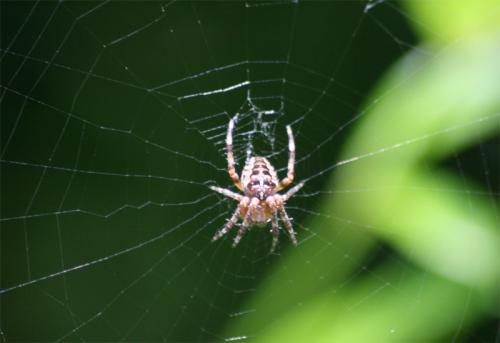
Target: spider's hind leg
246 221
288 224
228 226
241 231
275 230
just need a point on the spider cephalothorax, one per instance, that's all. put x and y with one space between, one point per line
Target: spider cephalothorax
260 202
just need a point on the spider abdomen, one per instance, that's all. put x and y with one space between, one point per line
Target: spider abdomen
261 216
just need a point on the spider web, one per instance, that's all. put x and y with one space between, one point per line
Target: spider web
114 116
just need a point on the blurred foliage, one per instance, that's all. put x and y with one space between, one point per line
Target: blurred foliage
425 110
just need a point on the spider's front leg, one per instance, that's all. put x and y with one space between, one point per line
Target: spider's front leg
291 161
230 156
292 191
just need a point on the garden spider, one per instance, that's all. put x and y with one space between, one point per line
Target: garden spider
260 202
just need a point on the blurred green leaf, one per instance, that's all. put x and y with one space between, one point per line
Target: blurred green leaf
428 108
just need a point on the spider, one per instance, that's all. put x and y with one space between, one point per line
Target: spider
260 203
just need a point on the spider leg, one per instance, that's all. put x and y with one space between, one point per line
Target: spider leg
292 191
227 192
242 230
246 221
228 226
288 223
275 231
230 157
291 160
